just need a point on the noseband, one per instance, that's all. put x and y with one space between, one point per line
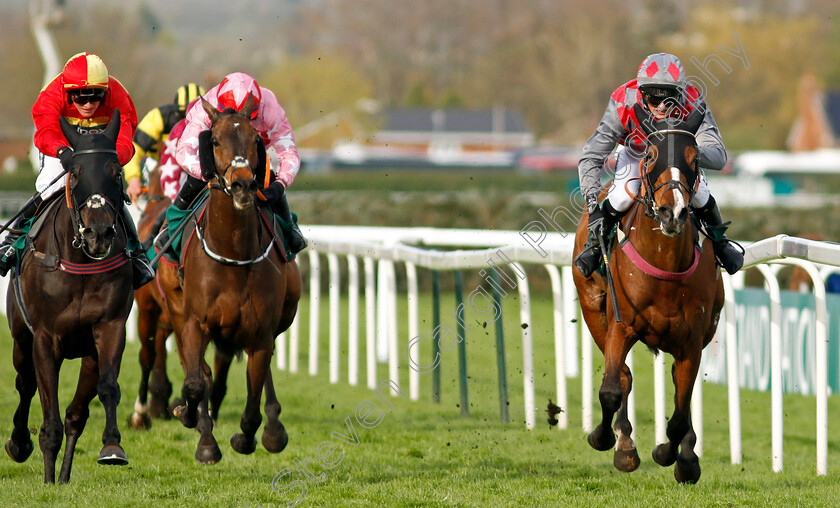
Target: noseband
237 162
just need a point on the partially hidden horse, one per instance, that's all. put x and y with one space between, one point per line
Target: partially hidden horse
239 290
668 292
153 323
71 295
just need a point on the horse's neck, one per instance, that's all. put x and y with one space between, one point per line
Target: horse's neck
228 231
669 253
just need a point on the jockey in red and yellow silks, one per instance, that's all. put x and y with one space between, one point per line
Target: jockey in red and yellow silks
85 95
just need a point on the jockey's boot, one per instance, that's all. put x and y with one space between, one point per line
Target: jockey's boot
174 214
296 240
603 218
142 271
8 255
730 258
155 229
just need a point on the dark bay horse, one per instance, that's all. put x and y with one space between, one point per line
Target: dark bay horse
153 323
669 294
71 297
238 290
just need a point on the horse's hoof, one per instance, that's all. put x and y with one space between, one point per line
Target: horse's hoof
173 405
275 438
183 415
242 444
140 421
687 471
663 455
208 454
112 455
159 409
17 453
626 461
601 441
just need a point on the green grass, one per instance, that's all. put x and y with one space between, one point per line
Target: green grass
422 453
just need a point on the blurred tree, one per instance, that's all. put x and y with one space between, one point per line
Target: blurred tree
754 99
311 87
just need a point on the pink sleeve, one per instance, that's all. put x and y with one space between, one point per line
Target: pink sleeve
273 123
170 171
186 153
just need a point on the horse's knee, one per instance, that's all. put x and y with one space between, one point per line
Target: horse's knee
610 397
193 389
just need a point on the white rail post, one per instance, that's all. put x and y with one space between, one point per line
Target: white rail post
697 413
314 309
559 347
659 397
586 376
776 400
335 300
294 342
413 329
280 350
732 380
631 398
370 321
570 330
527 349
382 314
352 320
394 353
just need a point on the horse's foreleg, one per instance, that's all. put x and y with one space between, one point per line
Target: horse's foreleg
78 412
208 451
191 350
110 344
626 457
19 446
140 419
160 387
679 431
221 368
258 364
611 393
52 431
274 437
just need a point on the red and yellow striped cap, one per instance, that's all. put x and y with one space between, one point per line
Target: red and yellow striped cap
85 70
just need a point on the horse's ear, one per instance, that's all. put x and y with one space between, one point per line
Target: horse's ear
694 119
211 111
70 132
248 107
113 130
645 119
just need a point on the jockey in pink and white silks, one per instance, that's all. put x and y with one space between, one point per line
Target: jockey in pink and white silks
269 119
661 87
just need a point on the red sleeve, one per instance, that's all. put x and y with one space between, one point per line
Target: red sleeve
119 98
48 108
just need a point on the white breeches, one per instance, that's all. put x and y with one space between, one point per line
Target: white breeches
50 169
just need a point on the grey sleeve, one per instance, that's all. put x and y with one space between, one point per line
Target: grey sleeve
597 148
712 152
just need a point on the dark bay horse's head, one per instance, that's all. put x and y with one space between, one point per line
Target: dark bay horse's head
669 169
94 189
234 152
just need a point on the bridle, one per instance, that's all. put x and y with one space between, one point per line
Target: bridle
650 174
93 201
238 161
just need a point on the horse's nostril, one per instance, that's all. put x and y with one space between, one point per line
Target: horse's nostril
683 214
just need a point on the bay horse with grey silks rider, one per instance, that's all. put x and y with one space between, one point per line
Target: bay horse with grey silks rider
666 291
153 322
239 289
70 296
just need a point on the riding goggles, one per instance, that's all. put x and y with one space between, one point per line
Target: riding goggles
655 96
86 95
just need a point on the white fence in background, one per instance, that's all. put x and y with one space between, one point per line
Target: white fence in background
513 251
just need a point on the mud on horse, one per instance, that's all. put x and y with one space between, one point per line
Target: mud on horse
668 291
239 291
71 295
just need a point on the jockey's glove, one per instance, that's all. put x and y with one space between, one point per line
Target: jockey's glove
274 192
65 155
592 202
